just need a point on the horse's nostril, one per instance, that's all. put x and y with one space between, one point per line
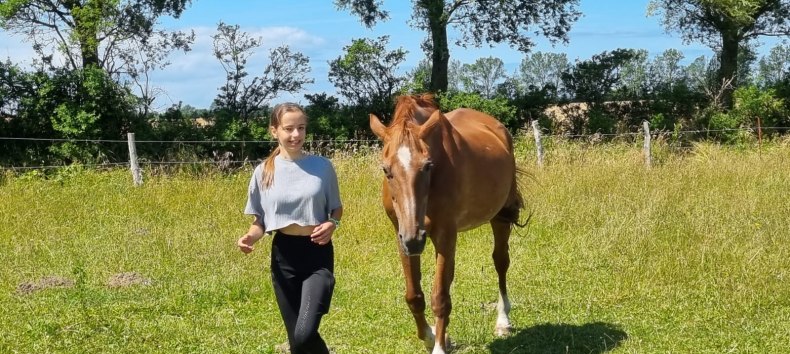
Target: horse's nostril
400 237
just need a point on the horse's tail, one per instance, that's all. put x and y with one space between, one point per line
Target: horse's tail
512 210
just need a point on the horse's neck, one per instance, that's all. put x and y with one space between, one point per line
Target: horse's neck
443 142
421 114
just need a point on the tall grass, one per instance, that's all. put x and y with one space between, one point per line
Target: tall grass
691 256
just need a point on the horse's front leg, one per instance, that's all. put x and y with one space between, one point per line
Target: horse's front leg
441 303
415 297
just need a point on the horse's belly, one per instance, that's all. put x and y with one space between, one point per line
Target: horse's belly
484 200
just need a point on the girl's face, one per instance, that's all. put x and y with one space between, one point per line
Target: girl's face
291 132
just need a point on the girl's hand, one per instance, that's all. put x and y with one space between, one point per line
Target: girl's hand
322 233
245 243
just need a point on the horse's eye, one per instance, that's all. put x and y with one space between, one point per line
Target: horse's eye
427 166
387 172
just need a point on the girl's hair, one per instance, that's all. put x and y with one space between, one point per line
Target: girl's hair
274 122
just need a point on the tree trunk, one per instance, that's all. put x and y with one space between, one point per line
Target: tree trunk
440 56
86 27
729 65
89 52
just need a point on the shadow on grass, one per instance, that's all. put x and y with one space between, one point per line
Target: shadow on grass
594 338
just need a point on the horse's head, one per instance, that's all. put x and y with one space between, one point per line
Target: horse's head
408 166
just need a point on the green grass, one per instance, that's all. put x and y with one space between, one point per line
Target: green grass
689 256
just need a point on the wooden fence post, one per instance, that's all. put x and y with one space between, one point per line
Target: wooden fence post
538 144
137 174
646 148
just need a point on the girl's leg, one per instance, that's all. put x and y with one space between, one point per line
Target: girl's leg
316 296
288 291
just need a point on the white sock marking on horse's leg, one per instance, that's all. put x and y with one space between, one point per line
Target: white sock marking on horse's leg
437 349
502 320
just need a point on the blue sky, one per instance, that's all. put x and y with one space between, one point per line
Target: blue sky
316 29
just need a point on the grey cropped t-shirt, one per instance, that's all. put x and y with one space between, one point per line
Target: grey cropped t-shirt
303 192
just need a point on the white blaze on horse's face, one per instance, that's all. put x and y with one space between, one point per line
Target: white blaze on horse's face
408 175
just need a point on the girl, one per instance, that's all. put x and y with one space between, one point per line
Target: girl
296 196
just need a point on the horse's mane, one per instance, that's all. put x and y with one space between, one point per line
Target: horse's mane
404 116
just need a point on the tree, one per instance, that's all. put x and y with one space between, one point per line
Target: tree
478 22
666 70
88 32
775 67
366 74
118 36
634 77
242 97
419 78
592 80
726 26
483 76
542 69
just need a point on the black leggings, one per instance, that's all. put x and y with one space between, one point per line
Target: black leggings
303 279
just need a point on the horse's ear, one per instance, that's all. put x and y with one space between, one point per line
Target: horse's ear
433 122
378 128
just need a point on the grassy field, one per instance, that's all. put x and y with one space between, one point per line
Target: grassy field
689 256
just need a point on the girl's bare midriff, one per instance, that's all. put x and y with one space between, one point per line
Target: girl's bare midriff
298 230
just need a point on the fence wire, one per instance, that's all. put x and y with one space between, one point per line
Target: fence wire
330 147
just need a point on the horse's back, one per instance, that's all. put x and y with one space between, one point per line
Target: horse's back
477 126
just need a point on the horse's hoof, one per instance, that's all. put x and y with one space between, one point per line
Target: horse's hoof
502 331
429 341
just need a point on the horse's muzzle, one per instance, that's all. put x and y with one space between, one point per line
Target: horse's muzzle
413 246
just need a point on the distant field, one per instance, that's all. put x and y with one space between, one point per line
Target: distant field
689 256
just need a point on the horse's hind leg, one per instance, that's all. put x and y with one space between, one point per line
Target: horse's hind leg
501 257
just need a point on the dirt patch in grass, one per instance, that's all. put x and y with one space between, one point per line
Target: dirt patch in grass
122 280
47 282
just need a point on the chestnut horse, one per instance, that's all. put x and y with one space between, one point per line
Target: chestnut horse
446 173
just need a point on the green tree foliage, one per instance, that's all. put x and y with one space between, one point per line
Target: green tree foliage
725 25
483 76
542 70
367 75
635 78
326 118
83 104
119 36
418 79
593 80
774 68
496 107
477 22
753 103
242 98
666 70
89 32
19 116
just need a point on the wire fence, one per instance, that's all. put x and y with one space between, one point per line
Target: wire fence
220 156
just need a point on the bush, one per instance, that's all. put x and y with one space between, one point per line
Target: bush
752 103
497 107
